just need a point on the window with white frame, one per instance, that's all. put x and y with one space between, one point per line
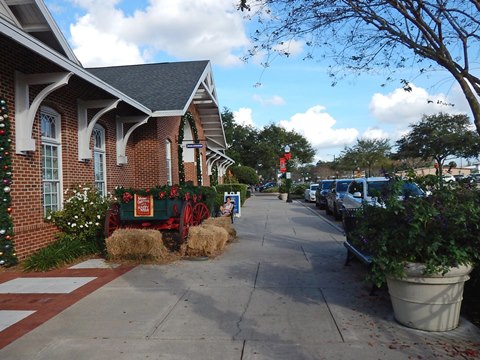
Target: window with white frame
99 161
168 162
51 159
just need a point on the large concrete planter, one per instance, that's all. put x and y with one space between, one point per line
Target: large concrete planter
283 196
430 303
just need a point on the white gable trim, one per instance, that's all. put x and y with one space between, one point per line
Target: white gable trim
85 128
38 47
24 111
122 138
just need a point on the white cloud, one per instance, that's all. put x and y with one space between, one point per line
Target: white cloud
318 127
187 30
292 48
403 108
96 48
375 133
274 100
243 116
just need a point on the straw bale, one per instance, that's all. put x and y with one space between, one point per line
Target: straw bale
223 222
136 244
205 240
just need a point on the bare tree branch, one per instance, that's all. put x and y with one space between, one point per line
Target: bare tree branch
371 35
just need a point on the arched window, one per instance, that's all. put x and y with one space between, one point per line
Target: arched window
51 159
99 161
168 161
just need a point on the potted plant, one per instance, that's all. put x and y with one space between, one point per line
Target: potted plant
424 248
282 189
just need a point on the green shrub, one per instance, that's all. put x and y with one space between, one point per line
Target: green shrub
299 189
282 188
244 174
83 213
66 249
273 189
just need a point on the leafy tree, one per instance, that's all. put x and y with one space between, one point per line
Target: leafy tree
367 35
272 140
366 154
245 174
261 149
242 140
438 137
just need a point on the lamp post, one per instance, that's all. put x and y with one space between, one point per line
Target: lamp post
288 175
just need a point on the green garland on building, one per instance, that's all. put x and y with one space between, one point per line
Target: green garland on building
181 134
214 176
7 250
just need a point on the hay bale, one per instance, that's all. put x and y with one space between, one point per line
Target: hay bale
223 222
205 240
134 244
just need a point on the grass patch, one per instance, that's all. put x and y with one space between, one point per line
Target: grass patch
65 250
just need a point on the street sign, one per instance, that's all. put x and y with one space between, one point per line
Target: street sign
194 146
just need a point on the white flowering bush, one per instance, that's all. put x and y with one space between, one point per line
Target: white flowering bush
83 213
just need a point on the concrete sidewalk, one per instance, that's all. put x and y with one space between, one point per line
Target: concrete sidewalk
281 292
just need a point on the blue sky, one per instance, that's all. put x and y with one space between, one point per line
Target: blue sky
292 92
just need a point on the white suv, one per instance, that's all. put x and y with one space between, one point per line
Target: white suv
367 190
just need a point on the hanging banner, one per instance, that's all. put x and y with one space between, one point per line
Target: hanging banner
283 165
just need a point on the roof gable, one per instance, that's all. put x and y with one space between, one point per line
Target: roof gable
33 17
168 89
162 87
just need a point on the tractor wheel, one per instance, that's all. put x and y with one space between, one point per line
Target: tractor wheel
112 219
186 220
200 213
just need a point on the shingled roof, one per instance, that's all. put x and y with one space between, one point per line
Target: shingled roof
167 89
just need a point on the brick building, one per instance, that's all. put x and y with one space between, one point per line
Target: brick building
109 127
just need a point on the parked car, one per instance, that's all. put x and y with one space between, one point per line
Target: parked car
310 192
475 177
321 193
448 178
266 186
367 191
335 197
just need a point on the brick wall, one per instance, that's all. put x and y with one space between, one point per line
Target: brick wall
145 150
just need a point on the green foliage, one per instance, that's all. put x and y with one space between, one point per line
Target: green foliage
188 191
244 174
66 249
181 168
273 189
299 189
262 149
440 231
283 188
83 213
437 137
214 176
368 155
